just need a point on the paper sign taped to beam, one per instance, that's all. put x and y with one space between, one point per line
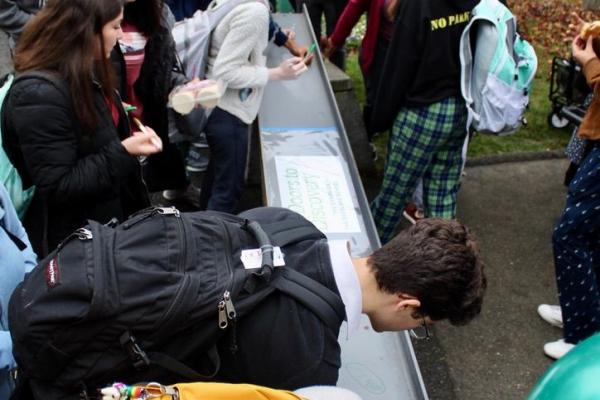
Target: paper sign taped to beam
316 187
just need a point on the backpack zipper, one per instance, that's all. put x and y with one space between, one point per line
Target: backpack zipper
142 215
182 238
82 234
222 315
225 307
181 261
231 314
226 310
167 315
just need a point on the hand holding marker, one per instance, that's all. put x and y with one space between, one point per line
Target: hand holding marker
154 139
128 107
310 54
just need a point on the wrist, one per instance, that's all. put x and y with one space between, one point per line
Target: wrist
275 74
125 147
584 59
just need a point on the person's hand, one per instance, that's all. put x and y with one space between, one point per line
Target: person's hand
575 26
583 51
291 35
390 10
295 49
143 143
289 69
308 58
302 51
327 47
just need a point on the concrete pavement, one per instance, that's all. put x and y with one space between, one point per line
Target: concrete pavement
511 207
5 63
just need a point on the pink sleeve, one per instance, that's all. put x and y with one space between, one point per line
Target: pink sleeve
354 9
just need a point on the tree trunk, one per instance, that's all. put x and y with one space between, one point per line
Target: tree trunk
591 4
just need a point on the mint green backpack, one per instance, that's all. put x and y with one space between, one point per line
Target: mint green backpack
8 174
497 74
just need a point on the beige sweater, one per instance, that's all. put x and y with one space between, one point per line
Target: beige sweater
236 56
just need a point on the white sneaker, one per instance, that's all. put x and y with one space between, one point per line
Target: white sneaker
551 314
557 349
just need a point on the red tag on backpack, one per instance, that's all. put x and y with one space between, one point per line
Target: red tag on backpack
53 273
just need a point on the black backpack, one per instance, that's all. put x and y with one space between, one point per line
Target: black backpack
149 299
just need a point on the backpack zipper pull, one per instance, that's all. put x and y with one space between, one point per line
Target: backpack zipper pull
231 314
84 234
168 211
222 315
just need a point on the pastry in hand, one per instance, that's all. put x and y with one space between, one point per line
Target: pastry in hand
590 29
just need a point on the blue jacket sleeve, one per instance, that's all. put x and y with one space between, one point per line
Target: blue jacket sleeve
7 362
14 226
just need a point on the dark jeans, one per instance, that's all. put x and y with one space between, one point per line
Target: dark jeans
227 139
331 9
371 79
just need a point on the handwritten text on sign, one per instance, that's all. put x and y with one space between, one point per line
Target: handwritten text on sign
316 187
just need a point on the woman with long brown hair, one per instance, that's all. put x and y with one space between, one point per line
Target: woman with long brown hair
63 124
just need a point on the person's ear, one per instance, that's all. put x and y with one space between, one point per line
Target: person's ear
405 301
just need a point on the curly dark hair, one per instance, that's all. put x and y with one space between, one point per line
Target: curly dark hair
438 262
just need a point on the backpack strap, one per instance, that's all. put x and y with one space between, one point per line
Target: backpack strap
287 228
141 359
172 364
315 296
286 232
466 64
18 242
319 299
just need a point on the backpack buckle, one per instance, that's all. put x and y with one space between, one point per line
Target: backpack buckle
138 357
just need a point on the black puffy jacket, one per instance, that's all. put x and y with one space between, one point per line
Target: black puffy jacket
78 175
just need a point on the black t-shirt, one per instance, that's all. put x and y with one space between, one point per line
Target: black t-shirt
422 65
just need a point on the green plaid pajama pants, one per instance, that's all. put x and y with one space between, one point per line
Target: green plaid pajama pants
425 143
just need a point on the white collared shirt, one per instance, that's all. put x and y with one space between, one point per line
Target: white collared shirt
347 283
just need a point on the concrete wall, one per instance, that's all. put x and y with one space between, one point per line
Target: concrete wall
351 112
